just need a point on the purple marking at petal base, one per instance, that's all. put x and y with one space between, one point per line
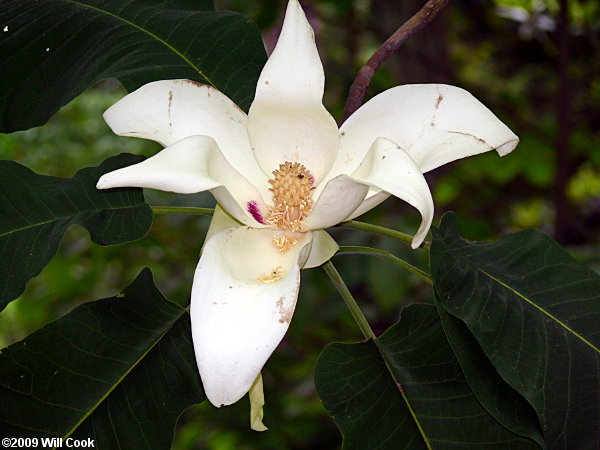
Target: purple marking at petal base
253 210
312 179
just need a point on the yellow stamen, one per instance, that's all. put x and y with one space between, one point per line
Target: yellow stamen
284 243
292 201
274 275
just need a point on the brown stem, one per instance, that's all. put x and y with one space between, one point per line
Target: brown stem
359 87
563 112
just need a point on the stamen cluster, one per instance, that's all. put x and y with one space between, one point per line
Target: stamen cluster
292 201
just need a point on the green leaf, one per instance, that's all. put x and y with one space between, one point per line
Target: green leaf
505 404
406 390
37 210
52 50
534 312
119 370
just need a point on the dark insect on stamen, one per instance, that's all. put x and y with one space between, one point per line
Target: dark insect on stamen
300 176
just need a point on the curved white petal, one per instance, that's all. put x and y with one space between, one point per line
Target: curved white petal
373 198
243 298
340 197
194 164
220 221
322 248
170 110
392 170
433 123
287 120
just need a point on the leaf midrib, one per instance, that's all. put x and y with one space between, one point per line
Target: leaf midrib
125 374
404 397
149 33
57 218
542 310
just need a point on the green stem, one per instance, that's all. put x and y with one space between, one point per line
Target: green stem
356 250
406 238
182 210
338 282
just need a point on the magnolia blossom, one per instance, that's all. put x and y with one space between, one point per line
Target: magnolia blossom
281 174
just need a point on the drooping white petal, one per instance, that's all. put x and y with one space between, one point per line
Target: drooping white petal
392 170
194 164
323 247
170 110
433 123
287 120
243 298
374 197
340 197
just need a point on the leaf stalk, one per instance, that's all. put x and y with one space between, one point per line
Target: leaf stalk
338 282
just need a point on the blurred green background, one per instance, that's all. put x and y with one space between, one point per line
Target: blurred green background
535 63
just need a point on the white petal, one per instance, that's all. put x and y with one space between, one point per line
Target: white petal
373 198
170 110
390 169
340 197
194 164
433 123
237 319
323 247
294 71
287 120
220 221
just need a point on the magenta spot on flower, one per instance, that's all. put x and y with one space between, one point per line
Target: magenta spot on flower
253 210
312 179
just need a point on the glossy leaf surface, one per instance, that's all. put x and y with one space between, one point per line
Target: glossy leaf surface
37 210
55 49
534 311
504 403
119 371
406 390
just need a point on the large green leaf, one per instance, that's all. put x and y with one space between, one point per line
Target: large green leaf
119 370
52 50
504 403
37 210
406 390
535 313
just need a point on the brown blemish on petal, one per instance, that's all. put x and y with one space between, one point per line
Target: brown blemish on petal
195 83
436 107
285 314
170 102
480 140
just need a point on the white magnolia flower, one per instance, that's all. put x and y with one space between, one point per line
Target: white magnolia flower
283 173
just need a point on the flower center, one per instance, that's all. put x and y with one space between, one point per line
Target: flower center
292 186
